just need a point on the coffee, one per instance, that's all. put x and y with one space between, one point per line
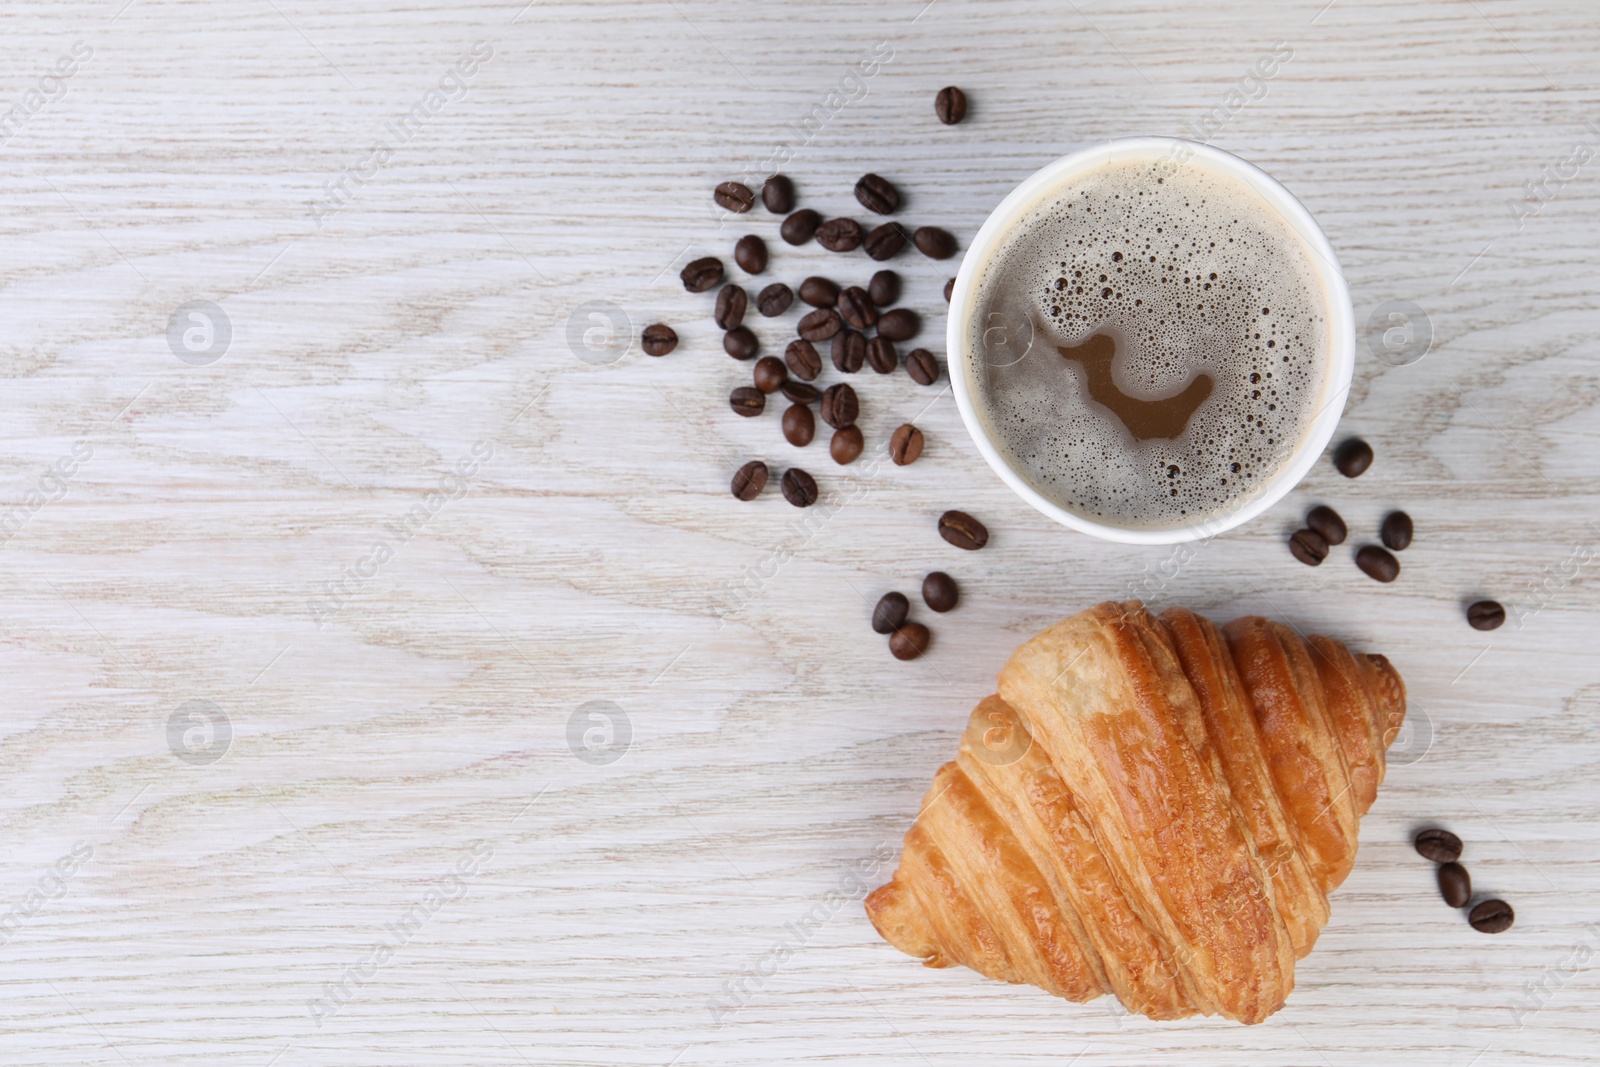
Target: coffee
1151 341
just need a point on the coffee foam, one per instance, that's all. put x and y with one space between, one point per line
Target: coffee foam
1193 273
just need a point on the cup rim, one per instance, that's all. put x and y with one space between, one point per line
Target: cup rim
1341 333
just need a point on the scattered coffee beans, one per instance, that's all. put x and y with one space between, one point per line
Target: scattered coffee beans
1486 615
884 242
1378 564
774 299
799 488
803 361
839 235
702 274
900 324
800 227
748 401
777 193
846 446
751 254
939 592
821 324
1440 846
801 393
1396 531
884 288
934 243
849 351
799 425
911 641
1327 522
819 292
1309 547
1455 885
963 531
949 287
735 197
840 407
950 104
749 480
922 367
1353 457
890 613
658 339
857 308
905 447
731 302
770 374
1488 917
877 194
740 343
881 354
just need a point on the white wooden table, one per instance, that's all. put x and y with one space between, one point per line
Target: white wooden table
395 765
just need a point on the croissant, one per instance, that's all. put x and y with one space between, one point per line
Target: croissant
1150 807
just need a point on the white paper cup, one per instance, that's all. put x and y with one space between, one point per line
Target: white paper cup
1328 405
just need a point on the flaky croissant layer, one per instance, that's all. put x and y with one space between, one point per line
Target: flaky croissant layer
1151 807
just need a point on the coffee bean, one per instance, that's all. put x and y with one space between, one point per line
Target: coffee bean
906 445
1327 522
857 308
820 324
877 194
922 367
846 445
1378 564
1455 885
1486 615
909 642
839 235
800 227
1440 846
702 274
849 351
1353 457
819 292
658 339
950 104
799 425
939 591
890 613
774 299
749 480
750 252
1309 547
884 242
740 343
803 361
963 531
840 407
900 324
884 288
800 392
934 242
949 287
777 193
881 355
731 303
1491 917
799 488
748 401
734 196
1396 531
770 374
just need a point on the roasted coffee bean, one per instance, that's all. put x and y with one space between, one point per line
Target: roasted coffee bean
1353 457
1455 885
702 274
963 531
900 324
777 193
884 242
748 401
731 303
849 351
1440 846
909 642
799 425
905 446
799 488
800 227
934 242
800 392
939 592
857 308
1396 530
846 446
770 374
1486 615
658 339
840 407
877 194
884 288
734 196
821 324
803 361
1378 564
1309 547
749 480
819 292
1327 522
950 104
949 287
881 355
1491 917
750 252
922 367
774 299
839 235
890 613
740 343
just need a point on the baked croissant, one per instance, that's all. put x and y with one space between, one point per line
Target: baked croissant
1150 807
